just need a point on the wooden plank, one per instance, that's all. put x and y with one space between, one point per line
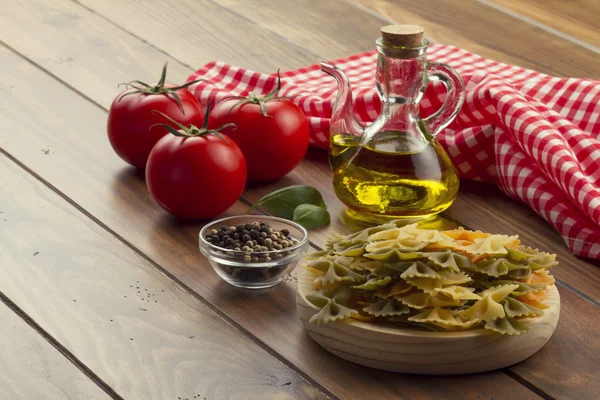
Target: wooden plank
135 328
118 198
493 34
578 19
88 60
202 31
561 368
33 369
332 29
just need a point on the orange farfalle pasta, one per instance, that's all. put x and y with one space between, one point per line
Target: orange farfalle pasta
535 299
541 276
463 234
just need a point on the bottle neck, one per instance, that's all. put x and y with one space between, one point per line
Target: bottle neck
400 78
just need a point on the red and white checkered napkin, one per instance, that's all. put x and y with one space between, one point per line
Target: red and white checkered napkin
535 136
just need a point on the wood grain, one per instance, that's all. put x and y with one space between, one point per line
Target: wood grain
202 31
561 367
492 34
88 173
429 353
578 19
87 60
33 369
331 29
135 328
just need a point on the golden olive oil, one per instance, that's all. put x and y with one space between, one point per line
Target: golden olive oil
392 176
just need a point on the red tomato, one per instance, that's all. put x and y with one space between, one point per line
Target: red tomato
130 118
196 177
272 145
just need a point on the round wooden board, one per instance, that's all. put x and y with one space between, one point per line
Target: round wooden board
429 353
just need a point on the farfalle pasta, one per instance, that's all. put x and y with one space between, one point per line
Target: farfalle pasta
437 280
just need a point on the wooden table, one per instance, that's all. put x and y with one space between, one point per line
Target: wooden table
105 296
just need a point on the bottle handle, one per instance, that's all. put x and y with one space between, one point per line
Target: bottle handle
455 96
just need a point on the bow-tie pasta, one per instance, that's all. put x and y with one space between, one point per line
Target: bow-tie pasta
426 279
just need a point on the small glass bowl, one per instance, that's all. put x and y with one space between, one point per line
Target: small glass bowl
229 264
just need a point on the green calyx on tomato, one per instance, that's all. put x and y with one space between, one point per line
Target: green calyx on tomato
192 130
260 101
159 88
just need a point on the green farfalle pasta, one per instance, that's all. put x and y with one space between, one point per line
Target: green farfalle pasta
374 283
330 271
426 279
506 326
499 266
516 308
387 308
330 309
450 260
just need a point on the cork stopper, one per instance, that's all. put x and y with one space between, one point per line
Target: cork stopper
402 35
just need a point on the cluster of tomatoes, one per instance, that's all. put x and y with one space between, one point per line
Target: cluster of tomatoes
197 163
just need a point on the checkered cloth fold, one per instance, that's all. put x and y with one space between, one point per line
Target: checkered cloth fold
535 136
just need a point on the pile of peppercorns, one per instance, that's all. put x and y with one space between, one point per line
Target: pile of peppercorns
252 242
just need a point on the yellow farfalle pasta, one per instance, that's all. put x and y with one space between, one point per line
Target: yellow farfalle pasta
489 306
442 318
427 279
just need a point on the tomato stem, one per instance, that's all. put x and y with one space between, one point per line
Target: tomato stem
192 130
159 89
260 101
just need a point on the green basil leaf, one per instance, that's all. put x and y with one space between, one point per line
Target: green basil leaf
283 202
311 216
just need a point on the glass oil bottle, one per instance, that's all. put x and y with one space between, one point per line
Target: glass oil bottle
395 168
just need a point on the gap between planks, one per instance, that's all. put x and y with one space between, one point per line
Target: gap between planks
541 26
58 346
498 8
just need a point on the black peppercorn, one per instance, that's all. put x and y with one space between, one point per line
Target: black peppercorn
285 232
260 241
248 227
245 238
224 228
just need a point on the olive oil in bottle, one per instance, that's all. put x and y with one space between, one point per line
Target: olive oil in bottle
392 176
